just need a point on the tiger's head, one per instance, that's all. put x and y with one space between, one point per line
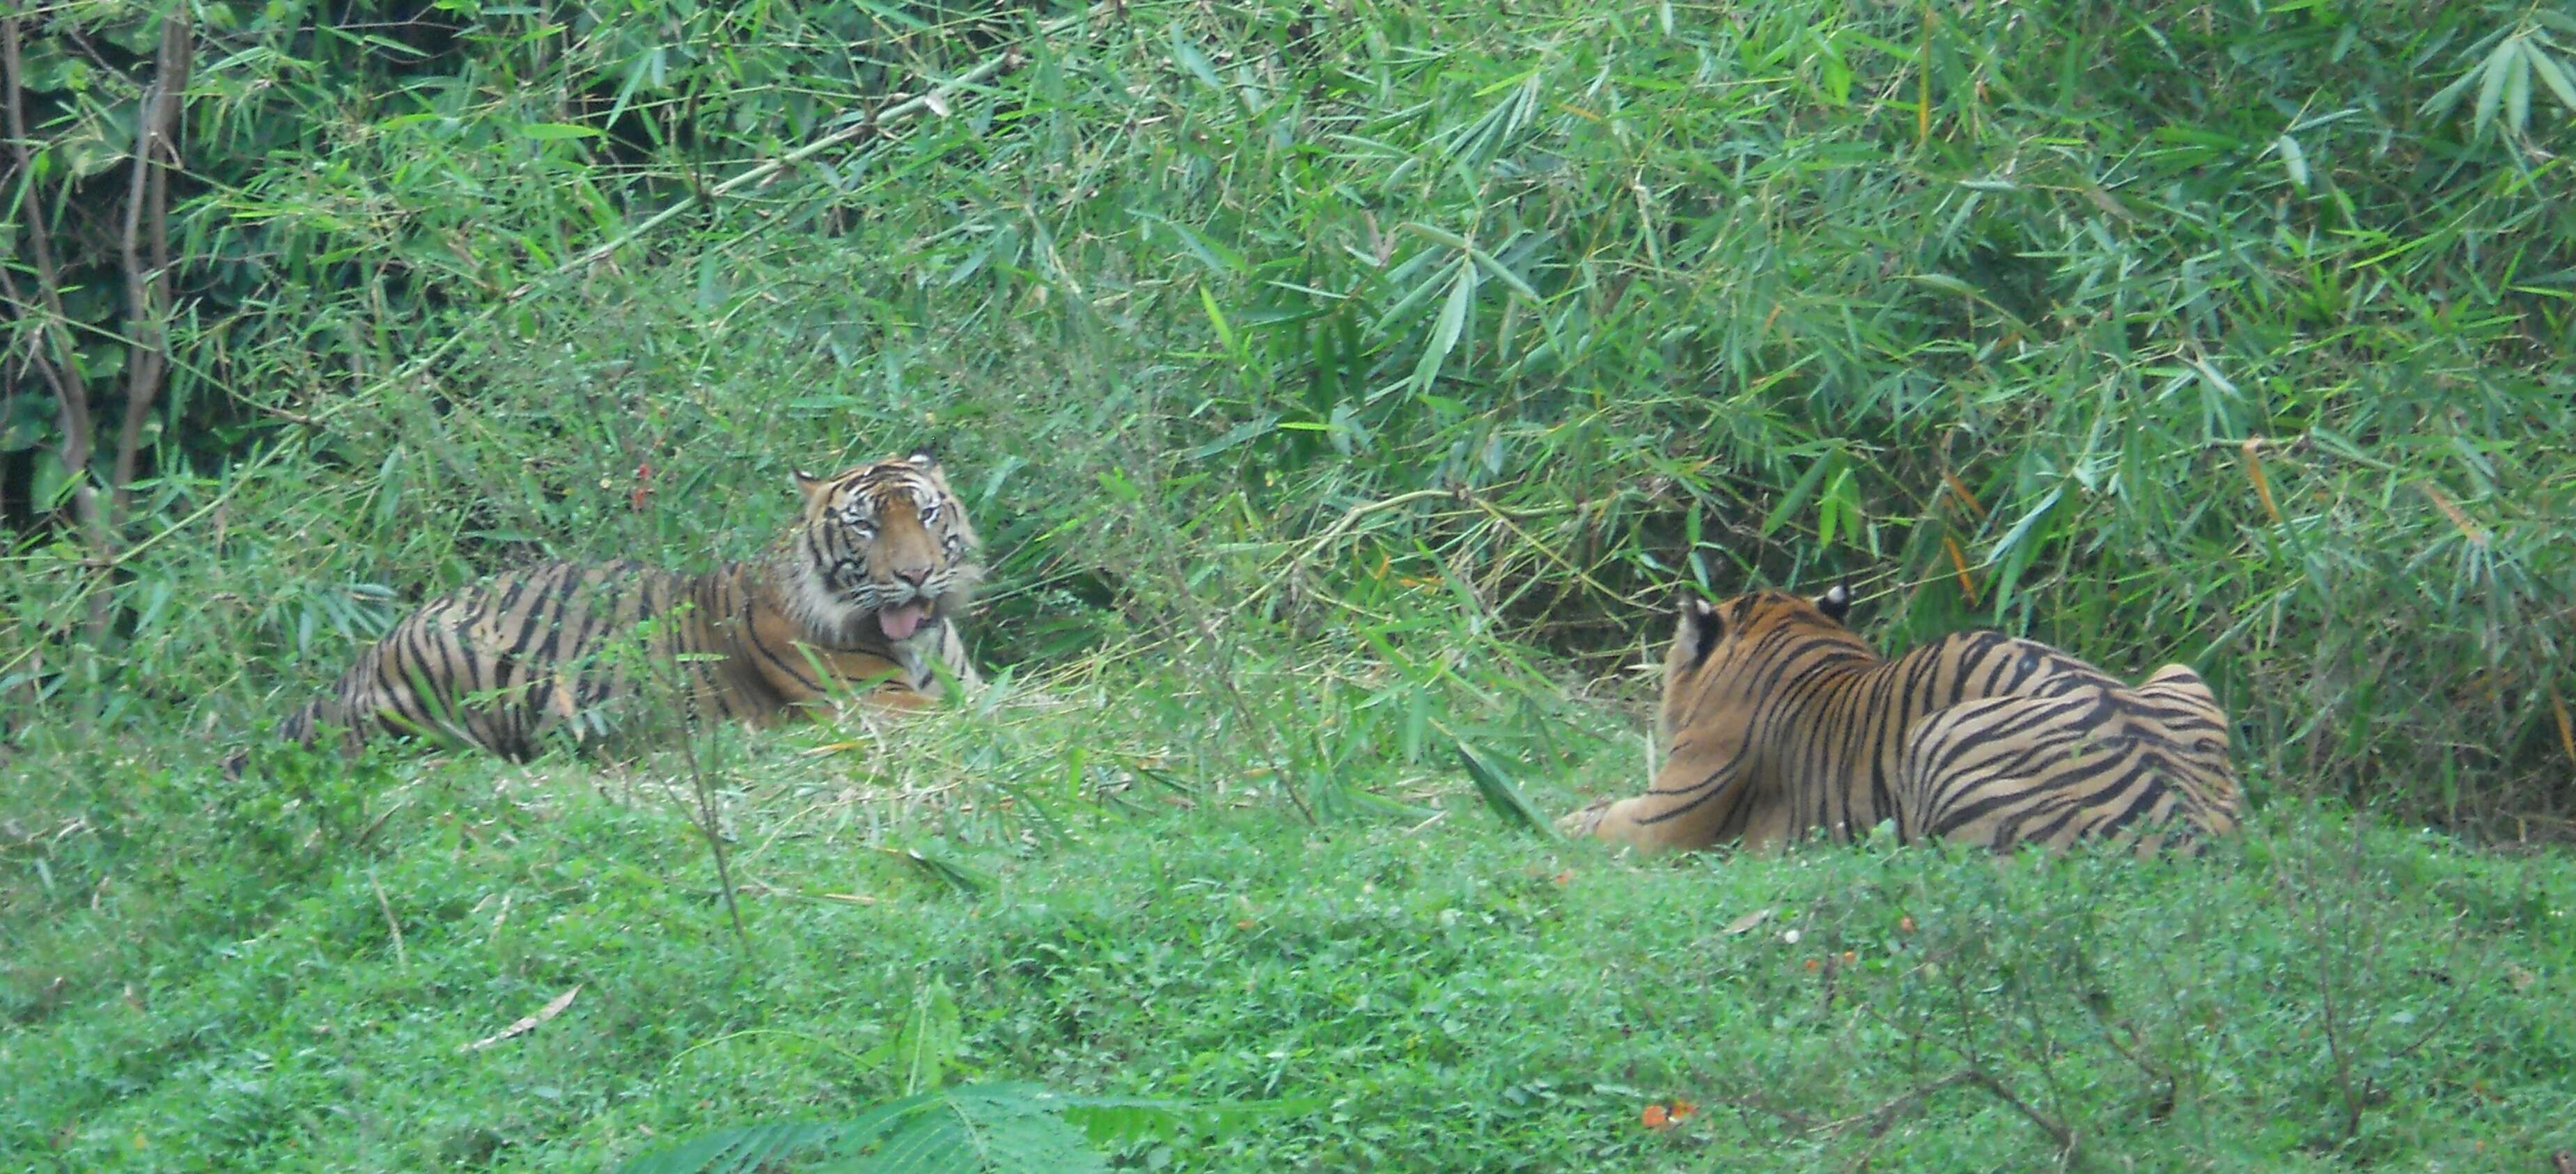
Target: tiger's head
1715 671
885 545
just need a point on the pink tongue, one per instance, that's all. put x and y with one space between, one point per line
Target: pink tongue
900 622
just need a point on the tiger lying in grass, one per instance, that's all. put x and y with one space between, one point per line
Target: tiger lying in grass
1777 720
866 589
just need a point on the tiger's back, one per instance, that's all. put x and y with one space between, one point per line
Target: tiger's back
2149 763
865 592
583 647
1778 721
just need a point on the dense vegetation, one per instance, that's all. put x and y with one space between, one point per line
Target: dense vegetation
1331 382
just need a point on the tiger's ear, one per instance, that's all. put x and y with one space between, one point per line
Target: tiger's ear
924 457
1699 627
1835 602
810 486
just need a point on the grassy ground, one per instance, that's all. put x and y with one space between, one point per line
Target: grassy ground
288 972
1329 383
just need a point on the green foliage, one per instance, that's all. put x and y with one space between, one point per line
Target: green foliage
979 1127
2504 66
2190 335
187 974
1330 389
1501 796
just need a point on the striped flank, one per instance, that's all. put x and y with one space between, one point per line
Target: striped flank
1778 721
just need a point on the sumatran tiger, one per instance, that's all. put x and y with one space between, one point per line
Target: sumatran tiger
1777 720
865 591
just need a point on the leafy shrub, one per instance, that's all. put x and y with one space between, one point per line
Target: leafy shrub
2202 331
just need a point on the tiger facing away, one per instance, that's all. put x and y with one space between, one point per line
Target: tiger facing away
866 589
1777 720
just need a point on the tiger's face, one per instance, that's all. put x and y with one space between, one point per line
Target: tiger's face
886 543
1713 674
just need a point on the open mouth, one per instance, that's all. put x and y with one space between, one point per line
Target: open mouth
901 621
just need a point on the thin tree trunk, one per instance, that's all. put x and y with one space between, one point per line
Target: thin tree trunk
147 290
71 395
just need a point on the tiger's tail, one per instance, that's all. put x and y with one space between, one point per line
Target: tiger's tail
304 728
306 725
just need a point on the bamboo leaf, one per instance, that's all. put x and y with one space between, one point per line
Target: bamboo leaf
2517 90
1193 60
1413 300
2491 86
1798 494
2444 99
2555 77
1499 794
1216 319
1496 269
1445 333
1436 235
551 131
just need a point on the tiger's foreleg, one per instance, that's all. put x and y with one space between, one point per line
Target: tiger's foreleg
1684 810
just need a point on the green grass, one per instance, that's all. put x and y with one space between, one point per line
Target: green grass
1330 389
209 971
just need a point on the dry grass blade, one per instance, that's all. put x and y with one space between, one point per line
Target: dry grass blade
1747 922
526 1023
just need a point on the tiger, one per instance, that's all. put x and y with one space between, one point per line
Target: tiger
1776 720
865 591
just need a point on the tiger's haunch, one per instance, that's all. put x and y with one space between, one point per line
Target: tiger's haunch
1777 720
867 588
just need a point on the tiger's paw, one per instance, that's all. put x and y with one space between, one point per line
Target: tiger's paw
1576 825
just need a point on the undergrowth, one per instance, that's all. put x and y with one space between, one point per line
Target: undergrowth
332 981
2230 333
1334 387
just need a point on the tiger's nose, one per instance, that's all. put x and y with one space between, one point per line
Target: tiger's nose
912 575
